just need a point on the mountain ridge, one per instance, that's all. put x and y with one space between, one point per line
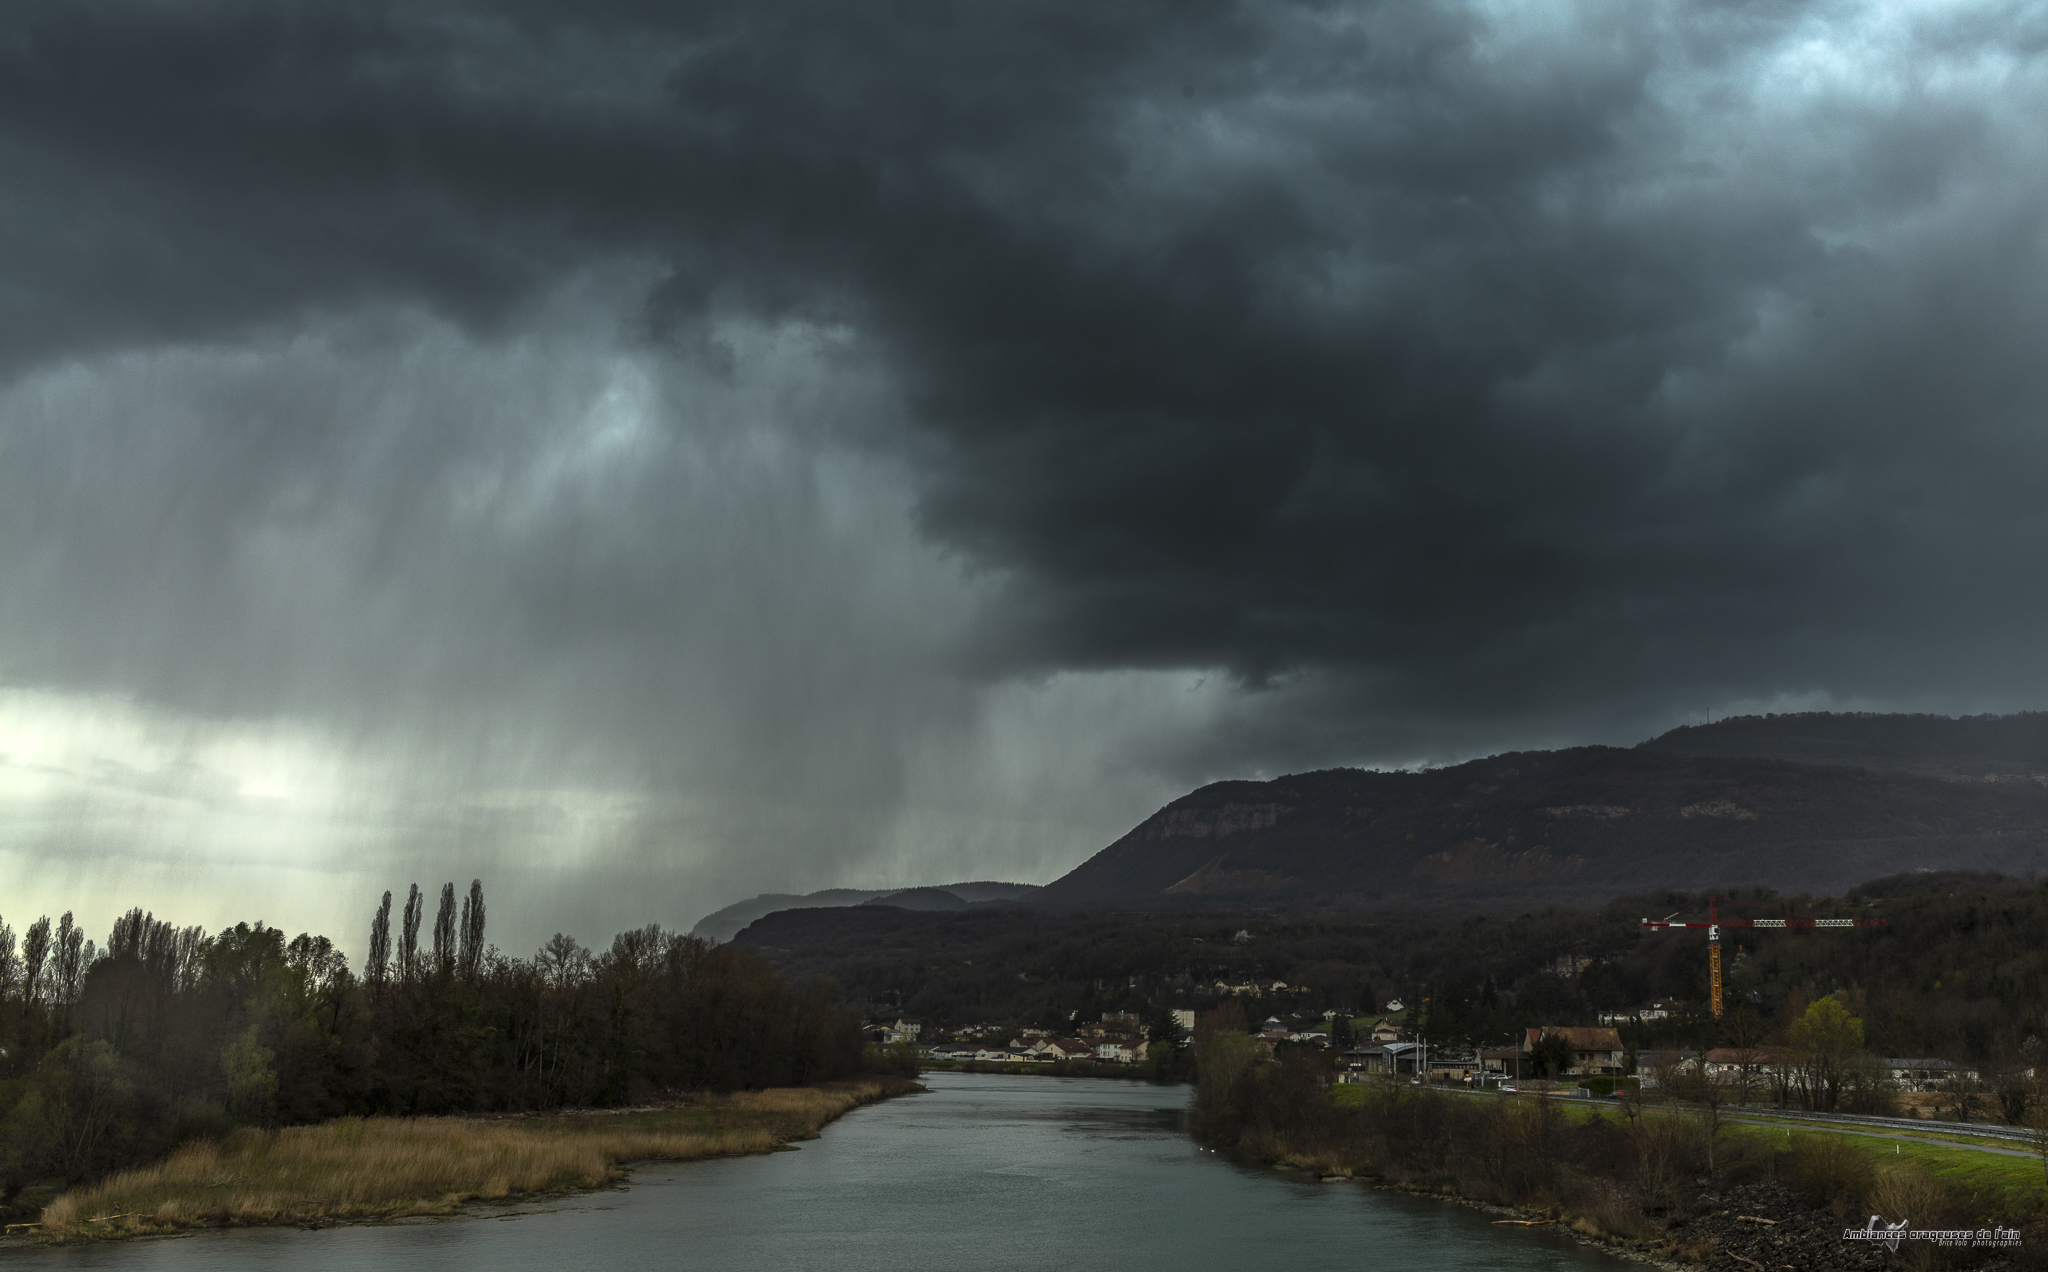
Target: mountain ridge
725 923
1994 746
1584 822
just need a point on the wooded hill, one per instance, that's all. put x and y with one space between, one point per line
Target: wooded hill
1591 822
2008 746
1959 970
724 924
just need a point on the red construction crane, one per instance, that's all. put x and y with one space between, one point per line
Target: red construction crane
1715 923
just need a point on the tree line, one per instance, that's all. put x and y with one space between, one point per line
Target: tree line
113 1055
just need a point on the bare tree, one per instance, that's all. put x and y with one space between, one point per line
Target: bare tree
1666 1072
1745 1045
380 944
1709 1095
1962 1091
2035 1053
2010 1078
187 946
35 954
562 961
1630 1101
10 962
70 955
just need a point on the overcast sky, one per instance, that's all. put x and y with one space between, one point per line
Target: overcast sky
646 454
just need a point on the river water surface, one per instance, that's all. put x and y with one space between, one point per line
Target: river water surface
985 1172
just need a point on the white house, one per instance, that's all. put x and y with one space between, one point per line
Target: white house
1927 1073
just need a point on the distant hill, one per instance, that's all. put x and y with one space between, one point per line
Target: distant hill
723 925
921 899
1575 824
1931 745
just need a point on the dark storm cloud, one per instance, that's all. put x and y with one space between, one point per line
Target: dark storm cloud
1476 366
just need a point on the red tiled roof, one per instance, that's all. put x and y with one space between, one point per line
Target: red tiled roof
1579 1037
1734 1055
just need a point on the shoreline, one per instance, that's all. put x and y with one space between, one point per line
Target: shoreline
1055 1069
1766 1205
352 1171
1564 1228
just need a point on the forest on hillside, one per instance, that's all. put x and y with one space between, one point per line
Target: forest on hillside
1957 972
115 1054
2000 745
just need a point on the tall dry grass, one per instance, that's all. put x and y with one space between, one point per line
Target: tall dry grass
382 1168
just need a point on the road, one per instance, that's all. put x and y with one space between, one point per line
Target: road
1891 1128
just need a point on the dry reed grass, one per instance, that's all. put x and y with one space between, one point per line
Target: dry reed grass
385 1168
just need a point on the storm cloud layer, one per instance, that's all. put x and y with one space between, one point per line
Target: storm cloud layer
762 445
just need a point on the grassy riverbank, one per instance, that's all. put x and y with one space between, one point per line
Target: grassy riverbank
2002 1177
388 1168
1663 1182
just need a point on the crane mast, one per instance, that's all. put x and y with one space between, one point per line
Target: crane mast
1715 922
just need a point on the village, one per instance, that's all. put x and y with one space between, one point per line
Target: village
1578 1059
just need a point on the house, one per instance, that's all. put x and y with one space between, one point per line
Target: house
1069 1049
1504 1062
1596 1051
1121 1052
1662 1009
1729 1062
1927 1073
1386 1031
1674 1063
1184 1018
1393 1058
1452 1067
1005 1055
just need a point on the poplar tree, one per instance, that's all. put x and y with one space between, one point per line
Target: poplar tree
473 928
380 944
409 938
444 932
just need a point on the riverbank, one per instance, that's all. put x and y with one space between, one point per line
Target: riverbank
1053 1069
369 1169
1659 1185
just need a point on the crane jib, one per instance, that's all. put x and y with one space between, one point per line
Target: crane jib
1768 923
1715 923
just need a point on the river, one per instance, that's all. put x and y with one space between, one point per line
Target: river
985 1172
